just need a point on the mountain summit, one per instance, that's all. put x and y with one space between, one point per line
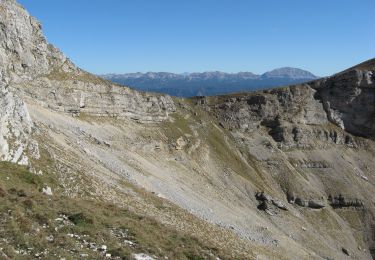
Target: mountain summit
289 73
90 169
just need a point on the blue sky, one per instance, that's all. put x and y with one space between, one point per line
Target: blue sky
102 36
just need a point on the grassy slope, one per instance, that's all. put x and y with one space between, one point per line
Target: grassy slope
28 221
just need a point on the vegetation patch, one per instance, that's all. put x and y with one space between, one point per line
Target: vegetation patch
34 225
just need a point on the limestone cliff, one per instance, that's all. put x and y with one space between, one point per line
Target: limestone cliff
32 69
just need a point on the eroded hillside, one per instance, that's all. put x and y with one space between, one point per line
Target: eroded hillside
280 174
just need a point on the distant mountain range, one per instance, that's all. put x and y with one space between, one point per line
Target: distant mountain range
209 83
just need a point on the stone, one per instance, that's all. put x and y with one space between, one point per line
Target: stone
345 251
300 202
343 202
315 204
142 256
50 238
279 204
261 196
263 206
180 143
47 191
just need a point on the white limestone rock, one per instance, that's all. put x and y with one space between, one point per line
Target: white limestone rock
47 191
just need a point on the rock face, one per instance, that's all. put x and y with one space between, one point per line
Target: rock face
38 70
24 52
32 68
298 115
83 93
305 122
348 99
16 143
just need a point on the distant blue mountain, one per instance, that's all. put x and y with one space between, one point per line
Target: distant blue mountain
209 83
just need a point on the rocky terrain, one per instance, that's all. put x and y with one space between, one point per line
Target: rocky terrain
92 169
210 83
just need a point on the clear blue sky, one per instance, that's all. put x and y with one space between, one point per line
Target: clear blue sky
101 36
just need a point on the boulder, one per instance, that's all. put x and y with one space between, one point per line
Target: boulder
315 204
279 204
261 196
263 206
300 202
47 191
345 251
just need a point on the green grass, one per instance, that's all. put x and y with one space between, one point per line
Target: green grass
60 75
28 218
179 127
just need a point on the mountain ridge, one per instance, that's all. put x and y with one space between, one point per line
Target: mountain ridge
211 82
297 71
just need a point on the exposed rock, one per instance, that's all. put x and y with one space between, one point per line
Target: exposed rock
15 129
264 205
315 204
341 202
261 196
310 203
300 202
143 257
47 191
266 201
348 99
24 52
180 143
279 204
101 98
290 197
50 238
295 115
315 165
345 251
103 248
39 71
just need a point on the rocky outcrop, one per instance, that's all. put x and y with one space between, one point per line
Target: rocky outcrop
348 100
269 204
24 52
35 69
291 116
82 93
309 203
342 202
307 115
16 144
